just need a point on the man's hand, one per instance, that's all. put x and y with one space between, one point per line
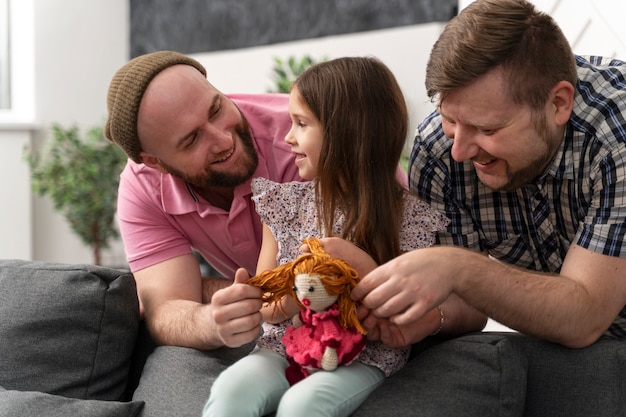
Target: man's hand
236 311
400 298
404 289
396 336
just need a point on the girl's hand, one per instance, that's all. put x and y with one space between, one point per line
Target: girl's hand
395 336
349 252
274 314
295 320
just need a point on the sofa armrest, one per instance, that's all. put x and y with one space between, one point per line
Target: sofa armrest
66 330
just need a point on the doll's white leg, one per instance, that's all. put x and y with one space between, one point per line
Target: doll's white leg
252 386
331 393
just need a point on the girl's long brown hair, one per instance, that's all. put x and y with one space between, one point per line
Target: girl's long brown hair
365 122
337 276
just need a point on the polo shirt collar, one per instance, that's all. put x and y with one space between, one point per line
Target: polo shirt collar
178 197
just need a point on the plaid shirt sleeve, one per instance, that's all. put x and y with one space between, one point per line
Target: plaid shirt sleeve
434 178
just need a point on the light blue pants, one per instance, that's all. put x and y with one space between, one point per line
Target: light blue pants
256 386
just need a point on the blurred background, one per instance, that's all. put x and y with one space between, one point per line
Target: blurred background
58 56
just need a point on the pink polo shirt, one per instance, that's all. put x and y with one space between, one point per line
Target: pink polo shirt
161 218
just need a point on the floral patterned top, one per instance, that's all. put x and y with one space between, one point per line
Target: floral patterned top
290 212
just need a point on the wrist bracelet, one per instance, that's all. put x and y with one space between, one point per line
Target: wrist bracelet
441 320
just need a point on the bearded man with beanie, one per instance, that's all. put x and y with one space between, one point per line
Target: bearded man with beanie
192 153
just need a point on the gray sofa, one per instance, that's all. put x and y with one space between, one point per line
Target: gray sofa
72 344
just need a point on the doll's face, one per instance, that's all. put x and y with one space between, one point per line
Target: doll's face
311 292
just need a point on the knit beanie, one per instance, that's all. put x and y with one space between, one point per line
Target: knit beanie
126 90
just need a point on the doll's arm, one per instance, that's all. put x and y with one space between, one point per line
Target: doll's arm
329 359
296 321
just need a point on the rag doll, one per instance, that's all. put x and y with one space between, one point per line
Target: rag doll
326 333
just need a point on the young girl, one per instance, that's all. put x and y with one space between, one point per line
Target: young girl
349 126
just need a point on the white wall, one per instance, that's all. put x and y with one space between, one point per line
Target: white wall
15 218
405 50
593 27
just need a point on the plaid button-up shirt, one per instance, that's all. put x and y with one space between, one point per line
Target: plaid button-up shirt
580 198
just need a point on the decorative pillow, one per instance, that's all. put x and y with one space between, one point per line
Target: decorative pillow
65 329
28 404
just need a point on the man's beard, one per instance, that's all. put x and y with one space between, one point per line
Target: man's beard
247 164
537 167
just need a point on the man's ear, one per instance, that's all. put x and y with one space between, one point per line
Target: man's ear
152 161
562 96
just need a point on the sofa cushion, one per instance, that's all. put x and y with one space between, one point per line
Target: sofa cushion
476 375
28 404
67 330
176 381
574 382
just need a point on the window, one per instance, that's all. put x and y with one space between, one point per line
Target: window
5 74
17 62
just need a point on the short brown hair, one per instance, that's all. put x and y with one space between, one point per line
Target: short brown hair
526 43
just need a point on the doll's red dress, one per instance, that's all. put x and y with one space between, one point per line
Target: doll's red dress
305 345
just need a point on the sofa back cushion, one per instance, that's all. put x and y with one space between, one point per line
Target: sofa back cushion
66 329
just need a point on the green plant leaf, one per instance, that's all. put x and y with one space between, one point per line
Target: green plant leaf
80 174
286 71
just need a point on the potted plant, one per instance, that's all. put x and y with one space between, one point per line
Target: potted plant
81 176
286 71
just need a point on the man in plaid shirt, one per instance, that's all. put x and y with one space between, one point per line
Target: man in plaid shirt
526 154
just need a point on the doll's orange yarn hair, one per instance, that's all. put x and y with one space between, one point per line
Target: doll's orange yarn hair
337 276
